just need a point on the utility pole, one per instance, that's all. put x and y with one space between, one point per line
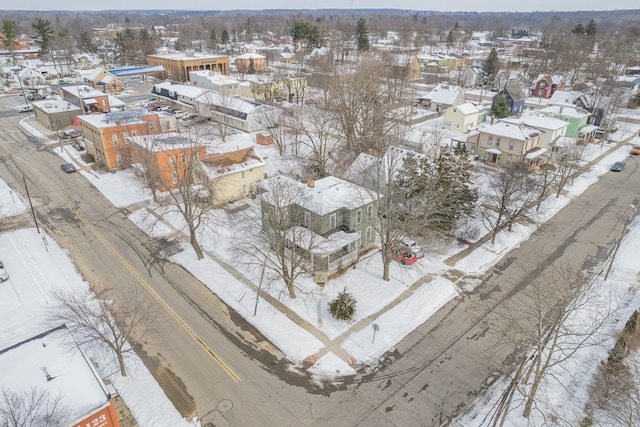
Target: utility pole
33 212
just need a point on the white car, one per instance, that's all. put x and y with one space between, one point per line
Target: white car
3 275
25 108
410 245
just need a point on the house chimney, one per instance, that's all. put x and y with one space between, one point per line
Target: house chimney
311 182
370 151
493 119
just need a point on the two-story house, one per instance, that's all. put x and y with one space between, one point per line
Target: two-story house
576 117
442 97
461 118
506 143
105 135
231 171
91 100
251 63
552 128
337 216
515 97
547 85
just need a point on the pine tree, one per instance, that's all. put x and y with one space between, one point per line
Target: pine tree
500 107
579 29
225 36
490 66
362 35
592 29
343 307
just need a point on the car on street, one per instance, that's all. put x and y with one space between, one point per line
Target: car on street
68 167
71 133
3 273
617 167
25 109
635 150
63 82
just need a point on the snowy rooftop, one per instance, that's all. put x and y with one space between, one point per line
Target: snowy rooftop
519 132
540 122
111 119
232 103
82 91
46 362
251 56
166 141
329 194
56 106
182 90
187 57
467 108
565 110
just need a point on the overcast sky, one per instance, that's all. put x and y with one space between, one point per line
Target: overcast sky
450 5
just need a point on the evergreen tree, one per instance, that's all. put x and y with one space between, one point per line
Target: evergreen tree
362 34
252 66
213 36
10 34
592 29
500 107
306 32
579 29
225 36
44 34
450 39
490 66
343 307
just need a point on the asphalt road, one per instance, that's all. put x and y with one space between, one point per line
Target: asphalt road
212 364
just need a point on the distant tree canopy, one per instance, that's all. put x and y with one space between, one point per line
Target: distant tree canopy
306 32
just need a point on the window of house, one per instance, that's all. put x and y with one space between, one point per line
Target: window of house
509 159
152 126
242 174
114 138
174 177
369 211
250 170
358 216
497 142
333 221
511 145
183 158
118 159
368 233
244 189
490 141
540 92
172 162
360 241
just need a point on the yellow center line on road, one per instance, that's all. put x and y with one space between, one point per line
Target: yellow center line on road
225 367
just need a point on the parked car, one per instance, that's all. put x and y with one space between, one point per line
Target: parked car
32 97
135 76
63 82
71 133
410 245
635 150
25 108
617 167
3 273
405 257
68 167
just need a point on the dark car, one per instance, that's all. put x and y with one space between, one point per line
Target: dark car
68 167
71 133
617 167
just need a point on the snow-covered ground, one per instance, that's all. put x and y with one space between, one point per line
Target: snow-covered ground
36 266
374 296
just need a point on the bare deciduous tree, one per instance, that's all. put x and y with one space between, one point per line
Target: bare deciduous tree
568 159
283 246
106 320
506 198
542 320
320 140
35 407
171 165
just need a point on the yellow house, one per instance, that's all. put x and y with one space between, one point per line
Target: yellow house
231 171
506 143
104 81
404 66
461 118
177 66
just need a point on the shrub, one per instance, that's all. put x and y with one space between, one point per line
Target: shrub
343 307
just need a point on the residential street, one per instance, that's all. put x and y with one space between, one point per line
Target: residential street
214 365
